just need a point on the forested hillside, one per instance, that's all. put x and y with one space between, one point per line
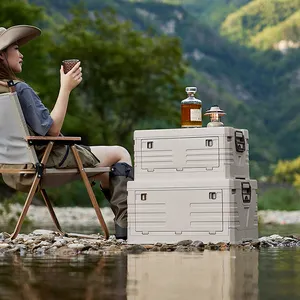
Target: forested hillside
212 12
263 23
273 27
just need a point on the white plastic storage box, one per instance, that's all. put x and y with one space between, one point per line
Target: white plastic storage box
209 151
222 210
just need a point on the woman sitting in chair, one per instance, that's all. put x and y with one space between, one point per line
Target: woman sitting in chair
42 122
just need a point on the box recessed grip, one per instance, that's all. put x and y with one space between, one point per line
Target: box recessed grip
240 144
246 192
209 143
150 145
144 196
212 195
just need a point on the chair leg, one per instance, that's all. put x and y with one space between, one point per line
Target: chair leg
51 210
28 201
90 192
32 192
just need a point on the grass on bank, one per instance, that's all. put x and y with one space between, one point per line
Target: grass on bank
279 198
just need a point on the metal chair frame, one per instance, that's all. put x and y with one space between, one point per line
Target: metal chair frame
22 137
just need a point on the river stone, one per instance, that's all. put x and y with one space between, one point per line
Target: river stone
163 248
76 246
113 248
59 243
40 251
290 239
4 235
223 246
46 237
44 243
256 244
119 241
148 247
265 244
69 239
4 246
154 249
275 237
66 252
51 250
29 242
264 239
184 243
180 248
198 244
43 232
211 246
18 240
136 249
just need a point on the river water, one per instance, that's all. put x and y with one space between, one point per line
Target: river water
236 274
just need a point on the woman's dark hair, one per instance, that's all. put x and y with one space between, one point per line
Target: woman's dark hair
5 71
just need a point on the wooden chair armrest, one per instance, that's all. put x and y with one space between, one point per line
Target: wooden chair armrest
43 140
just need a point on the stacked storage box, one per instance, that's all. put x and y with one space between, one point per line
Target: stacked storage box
192 183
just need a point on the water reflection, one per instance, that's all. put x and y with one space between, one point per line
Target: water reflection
279 274
207 275
62 278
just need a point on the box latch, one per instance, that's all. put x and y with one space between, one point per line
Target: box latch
246 192
240 144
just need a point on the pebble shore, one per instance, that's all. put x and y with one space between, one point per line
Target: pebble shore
46 242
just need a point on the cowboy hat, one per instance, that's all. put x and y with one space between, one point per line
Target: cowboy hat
20 34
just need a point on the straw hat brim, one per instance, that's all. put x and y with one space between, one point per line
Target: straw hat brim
20 34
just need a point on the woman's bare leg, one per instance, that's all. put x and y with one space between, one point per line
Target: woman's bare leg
109 155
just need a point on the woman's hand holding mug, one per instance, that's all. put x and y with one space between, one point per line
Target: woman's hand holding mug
70 74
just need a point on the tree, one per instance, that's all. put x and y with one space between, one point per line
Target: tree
288 171
130 78
17 12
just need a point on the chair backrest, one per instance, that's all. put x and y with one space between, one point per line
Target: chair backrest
14 149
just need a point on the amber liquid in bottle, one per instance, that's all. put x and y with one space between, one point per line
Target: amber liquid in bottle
191 115
191 109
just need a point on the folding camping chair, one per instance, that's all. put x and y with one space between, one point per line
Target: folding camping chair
17 148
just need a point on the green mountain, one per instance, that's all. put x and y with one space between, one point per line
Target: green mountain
263 23
268 26
212 12
287 30
258 89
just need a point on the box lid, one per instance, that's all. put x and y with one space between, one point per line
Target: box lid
188 132
216 183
